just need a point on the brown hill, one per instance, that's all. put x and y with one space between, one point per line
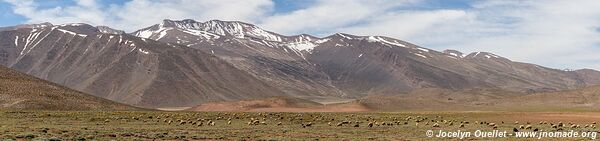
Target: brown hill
19 91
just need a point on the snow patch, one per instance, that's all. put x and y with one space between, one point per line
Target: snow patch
143 51
16 41
491 55
204 34
144 34
456 55
420 55
322 41
305 45
72 24
264 34
162 32
344 36
381 40
71 32
422 49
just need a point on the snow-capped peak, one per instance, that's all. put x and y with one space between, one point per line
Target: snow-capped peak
108 30
304 42
225 28
454 53
389 42
486 55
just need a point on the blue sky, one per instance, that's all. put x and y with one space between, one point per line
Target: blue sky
554 33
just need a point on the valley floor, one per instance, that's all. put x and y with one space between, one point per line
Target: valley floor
151 125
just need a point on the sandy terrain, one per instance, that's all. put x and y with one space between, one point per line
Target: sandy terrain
281 105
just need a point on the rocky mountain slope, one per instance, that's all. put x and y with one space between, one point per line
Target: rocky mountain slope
19 91
266 55
126 68
359 65
186 63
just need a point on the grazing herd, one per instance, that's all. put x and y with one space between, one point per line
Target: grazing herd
136 125
308 120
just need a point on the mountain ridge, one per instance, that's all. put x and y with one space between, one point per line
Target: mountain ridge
185 63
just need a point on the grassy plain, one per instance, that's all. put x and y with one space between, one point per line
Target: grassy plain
154 125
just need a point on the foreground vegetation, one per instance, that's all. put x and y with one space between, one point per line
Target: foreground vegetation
151 125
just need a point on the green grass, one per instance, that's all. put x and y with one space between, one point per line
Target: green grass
72 125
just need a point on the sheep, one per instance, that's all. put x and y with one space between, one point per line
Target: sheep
462 126
309 124
279 124
228 122
521 127
491 124
528 127
436 125
340 124
516 122
560 124
370 124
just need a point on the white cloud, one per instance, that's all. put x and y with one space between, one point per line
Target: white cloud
559 34
326 16
145 12
138 14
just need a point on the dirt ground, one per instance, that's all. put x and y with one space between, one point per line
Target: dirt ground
186 125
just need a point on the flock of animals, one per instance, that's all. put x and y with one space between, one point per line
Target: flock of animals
308 120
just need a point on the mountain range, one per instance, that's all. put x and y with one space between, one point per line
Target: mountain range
187 63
